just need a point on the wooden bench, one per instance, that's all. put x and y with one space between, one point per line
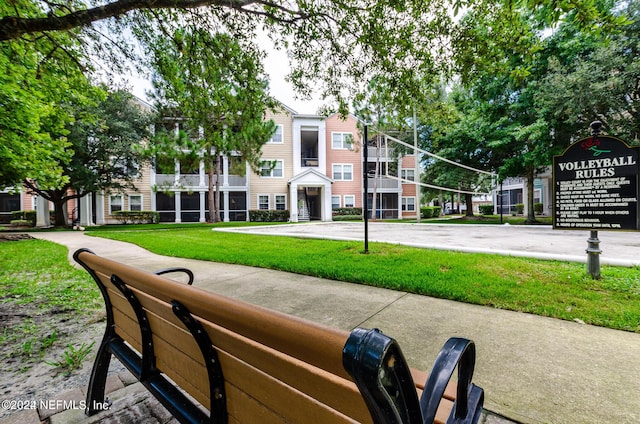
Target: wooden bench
209 358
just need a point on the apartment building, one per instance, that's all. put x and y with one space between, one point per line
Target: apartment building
312 165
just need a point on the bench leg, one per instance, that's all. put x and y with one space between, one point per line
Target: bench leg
98 380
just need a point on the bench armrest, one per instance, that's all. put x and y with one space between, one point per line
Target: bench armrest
460 353
383 377
376 364
177 269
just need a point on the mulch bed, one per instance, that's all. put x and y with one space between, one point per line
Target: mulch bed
14 237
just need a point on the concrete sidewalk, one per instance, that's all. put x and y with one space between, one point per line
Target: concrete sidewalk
533 369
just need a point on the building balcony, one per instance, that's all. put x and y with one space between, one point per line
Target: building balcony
194 181
385 154
384 183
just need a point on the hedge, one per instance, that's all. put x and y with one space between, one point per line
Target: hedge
29 216
348 218
486 209
137 217
347 211
427 212
538 208
268 216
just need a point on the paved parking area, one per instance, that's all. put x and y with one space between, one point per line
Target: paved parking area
618 248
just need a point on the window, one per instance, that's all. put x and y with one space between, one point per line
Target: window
409 204
342 140
349 201
115 203
263 202
408 174
135 202
335 202
272 168
343 172
277 137
281 202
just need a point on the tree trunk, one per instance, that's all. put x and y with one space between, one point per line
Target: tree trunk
60 212
217 194
531 215
211 199
468 199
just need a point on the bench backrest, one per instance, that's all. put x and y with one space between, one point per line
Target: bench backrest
275 367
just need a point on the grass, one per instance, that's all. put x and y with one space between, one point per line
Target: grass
40 294
38 272
548 288
72 357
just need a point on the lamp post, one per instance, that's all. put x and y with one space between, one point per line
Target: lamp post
593 243
365 188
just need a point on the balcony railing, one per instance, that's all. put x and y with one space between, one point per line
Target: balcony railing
384 153
384 182
310 162
191 180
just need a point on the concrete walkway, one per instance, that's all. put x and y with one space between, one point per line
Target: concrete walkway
533 369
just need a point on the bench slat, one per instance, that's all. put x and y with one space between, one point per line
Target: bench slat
339 393
191 374
271 328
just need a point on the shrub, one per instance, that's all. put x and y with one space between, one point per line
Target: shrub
29 216
348 218
437 210
268 216
137 217
520 208
347 211
427 212
486 209
538 208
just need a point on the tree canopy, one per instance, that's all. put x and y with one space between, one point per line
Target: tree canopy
336 46
219 88
101 151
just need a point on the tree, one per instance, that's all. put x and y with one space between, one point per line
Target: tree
341 44
103 149
218 87
594 79
38 79
454 127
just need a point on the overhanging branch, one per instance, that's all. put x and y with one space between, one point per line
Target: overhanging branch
12 27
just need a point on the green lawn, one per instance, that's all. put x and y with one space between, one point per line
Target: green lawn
44 302
549 288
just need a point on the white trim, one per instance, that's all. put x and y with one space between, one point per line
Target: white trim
129 196
344 145
275 201
342 165
403 174
281 128
111 204
353 196
339 197
404 206
281 168
268 201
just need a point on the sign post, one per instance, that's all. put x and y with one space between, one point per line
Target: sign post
595 185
